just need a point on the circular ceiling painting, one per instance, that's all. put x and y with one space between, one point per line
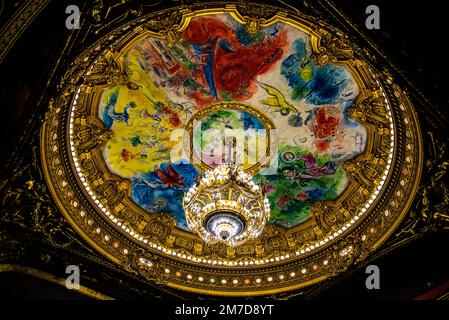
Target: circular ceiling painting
149 110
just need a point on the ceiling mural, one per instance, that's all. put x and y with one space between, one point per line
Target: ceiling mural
229 151
217 59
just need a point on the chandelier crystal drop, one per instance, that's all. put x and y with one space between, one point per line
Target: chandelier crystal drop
226 206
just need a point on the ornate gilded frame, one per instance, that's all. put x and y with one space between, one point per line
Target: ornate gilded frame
280 259
271 136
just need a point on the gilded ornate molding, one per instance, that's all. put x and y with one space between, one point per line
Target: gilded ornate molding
291 259
18 23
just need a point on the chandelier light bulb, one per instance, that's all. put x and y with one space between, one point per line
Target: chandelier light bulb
226 206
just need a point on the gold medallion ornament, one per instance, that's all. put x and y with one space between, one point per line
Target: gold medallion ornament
234 150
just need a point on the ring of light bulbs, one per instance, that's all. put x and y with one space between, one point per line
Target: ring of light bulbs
224 262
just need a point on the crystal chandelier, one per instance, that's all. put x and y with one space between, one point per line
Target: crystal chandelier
226 206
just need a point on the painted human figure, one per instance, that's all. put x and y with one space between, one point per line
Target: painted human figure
310 170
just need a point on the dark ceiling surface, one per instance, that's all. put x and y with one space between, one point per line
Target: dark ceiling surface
21 286
411 36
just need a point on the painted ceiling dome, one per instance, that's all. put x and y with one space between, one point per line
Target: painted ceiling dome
271 73
160 102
